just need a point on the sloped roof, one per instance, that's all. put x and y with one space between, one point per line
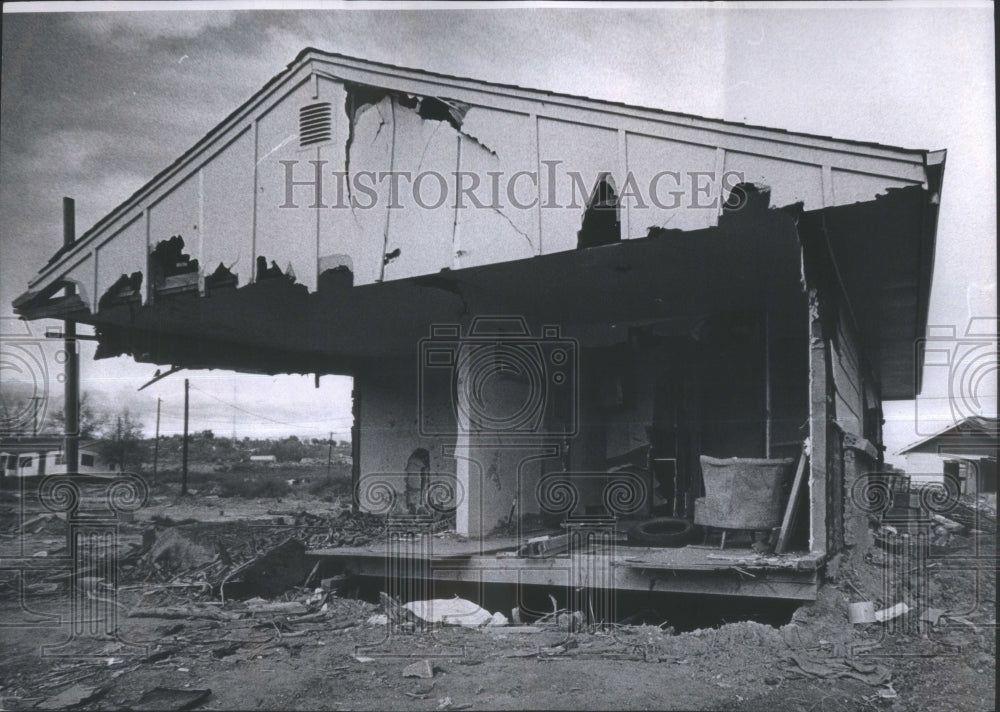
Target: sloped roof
310 54
38 443
973 428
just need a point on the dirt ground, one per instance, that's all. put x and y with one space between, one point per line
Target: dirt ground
337 659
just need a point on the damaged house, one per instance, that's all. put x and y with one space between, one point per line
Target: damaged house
579 313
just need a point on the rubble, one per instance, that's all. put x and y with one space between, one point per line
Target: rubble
422 669
174 700
828 667
271 573
71 697
177 574
241 559
887 614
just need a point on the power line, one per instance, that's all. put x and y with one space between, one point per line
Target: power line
262 417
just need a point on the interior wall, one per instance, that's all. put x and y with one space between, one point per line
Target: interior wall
848 379
390 427
691 389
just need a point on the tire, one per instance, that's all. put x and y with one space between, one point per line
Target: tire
662 531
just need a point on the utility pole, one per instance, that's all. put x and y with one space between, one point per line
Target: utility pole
234 416
156 443
329 457
184 451
71 392
35 407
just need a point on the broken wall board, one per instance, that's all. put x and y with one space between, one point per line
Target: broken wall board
286 232
123 254
819 423
669 197
504 144
509 129
176 213
790 182
359 229
228 209
857 186
573 157
420 232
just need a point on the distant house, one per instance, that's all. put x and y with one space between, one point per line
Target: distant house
37 455
966 451
263 459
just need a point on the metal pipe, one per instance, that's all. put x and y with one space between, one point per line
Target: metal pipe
156 445
355 446
72 381
767 385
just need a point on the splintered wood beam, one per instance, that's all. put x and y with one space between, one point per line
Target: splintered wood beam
790 509
707 578
819 418
67 307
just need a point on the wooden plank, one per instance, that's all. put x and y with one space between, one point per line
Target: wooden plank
723 580
439 548
819 414
687 558
57 307
793 498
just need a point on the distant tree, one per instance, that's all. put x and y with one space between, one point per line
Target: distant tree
121 443
206 434
17 416
291 449
91 420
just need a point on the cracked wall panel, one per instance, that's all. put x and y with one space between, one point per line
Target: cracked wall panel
177 214
506 227
850 187
340 238
125 253
667 180
227 232
584 151
421 229
790 182
288 235
366 218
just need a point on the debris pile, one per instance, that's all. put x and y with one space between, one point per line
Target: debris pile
208 555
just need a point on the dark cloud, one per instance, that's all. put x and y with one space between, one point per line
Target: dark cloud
95 104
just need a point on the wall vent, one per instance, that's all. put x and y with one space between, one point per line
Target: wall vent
315 124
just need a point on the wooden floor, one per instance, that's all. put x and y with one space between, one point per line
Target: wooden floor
704 570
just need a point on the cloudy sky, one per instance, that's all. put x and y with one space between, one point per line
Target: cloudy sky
95 103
